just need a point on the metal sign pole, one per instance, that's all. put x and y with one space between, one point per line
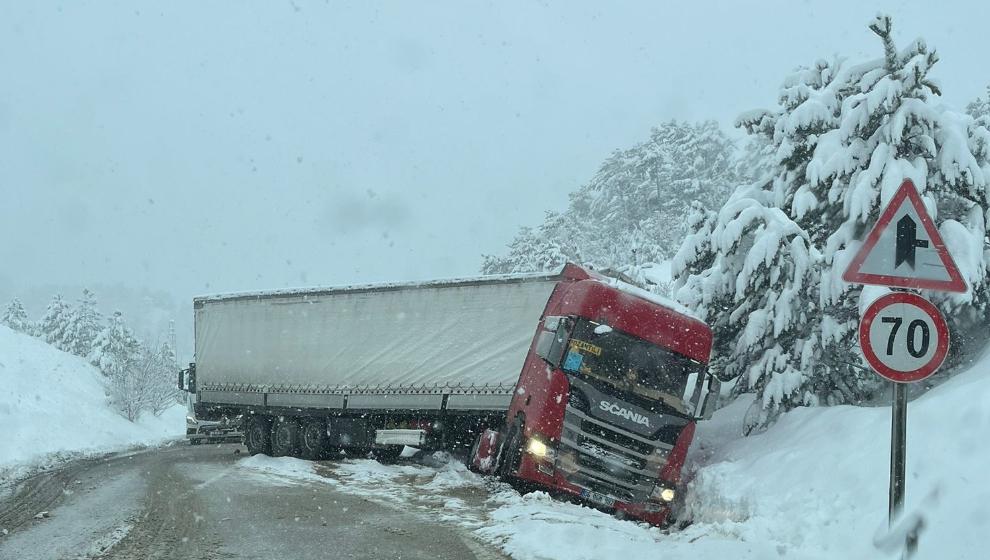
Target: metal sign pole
898 450
898 456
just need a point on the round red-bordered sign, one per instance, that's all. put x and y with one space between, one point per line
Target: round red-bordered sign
896 335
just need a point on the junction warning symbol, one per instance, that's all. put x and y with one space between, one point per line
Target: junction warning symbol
905 250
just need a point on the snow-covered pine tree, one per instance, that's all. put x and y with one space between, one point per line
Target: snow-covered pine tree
166 356
84 325
553 243
114 348
116 353
53 327
755 160
747 270
980 109
631 214
843 139
683 163
15 317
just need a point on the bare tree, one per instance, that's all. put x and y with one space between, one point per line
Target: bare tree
157 379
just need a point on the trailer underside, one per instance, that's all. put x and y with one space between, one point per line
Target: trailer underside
317 425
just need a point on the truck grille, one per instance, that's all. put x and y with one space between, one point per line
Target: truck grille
607 459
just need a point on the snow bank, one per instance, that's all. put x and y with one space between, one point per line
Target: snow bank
535 526
53 406
816 483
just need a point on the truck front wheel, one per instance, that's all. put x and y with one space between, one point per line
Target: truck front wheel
285 437
257 436
511 454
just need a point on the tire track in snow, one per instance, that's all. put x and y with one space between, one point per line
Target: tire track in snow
37 493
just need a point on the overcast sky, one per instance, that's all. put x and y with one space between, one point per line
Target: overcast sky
198 147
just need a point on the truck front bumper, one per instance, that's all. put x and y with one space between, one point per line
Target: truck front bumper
212 432
545 474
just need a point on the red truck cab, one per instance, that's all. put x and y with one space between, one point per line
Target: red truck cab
606 403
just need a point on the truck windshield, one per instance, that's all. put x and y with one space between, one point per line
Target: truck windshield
628 363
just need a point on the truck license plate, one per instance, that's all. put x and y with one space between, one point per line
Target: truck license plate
600 499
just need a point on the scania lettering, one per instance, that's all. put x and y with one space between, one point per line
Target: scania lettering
573 382
619 411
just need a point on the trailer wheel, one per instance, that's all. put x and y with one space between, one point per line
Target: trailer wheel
285 437
512 452
257 435
313 439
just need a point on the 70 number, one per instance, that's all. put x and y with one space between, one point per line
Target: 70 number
915 351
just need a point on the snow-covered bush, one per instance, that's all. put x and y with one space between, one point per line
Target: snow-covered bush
155 379
141 378
765 270
632 213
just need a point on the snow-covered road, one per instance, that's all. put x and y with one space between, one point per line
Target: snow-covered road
208 502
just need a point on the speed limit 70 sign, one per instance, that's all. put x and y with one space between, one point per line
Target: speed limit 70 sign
904 337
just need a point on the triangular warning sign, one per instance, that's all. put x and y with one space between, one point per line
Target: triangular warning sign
905 250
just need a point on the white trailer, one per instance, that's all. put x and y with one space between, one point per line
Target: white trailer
450 348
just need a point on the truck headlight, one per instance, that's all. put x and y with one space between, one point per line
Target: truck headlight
191 420
663 493
540 450
537 448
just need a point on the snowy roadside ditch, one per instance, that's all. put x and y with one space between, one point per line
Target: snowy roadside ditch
129 438
531 526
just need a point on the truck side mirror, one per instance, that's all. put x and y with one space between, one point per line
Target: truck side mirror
711 398
187 379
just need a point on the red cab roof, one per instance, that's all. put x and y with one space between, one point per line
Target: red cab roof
604 300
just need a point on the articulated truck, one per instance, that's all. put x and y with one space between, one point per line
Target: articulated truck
576 382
